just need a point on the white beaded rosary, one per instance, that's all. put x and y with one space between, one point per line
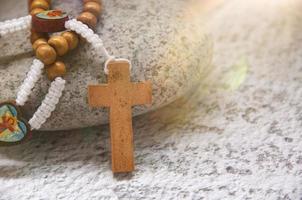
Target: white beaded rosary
57 86
119 94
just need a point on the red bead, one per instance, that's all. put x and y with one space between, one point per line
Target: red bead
49 21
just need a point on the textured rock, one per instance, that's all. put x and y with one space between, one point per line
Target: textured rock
243 144
159 38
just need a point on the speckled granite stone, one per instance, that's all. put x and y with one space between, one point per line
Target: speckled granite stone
238 138
164 45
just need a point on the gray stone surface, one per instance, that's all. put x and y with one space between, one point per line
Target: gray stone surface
159 37
237 138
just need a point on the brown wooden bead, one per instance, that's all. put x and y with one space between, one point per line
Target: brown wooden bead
88 18
97 1
36 35
30 1
72 39
57 69
93 7
39 42
59 43
46 54
39 4
36 11
29 4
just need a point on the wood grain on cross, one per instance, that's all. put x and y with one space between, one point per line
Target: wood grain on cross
120 95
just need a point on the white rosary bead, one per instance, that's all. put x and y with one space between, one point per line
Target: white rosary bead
11 26
49 107
54 90
41 120
89 31
46 112
29 84
31 79
49 104
34 123
53 100
85 35
94 39
22 96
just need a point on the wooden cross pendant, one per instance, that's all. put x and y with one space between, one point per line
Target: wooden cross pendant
120 95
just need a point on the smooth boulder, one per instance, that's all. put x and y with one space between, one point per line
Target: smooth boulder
163 39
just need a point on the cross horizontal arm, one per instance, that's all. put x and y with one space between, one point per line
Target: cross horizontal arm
142 93
99 95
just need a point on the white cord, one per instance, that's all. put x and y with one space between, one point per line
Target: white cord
58 85
49 104
88 34
94 39
11 26
28 84
106 70
51 99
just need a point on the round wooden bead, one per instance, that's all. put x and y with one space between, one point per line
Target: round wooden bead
59 43
88 18
57 69
29 4
97 1
36 35
48 1
39 4
72 39
39 42
46 54
36 11
93 7
49 21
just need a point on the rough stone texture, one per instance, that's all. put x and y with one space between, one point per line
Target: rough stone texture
18 43
238 138
164 45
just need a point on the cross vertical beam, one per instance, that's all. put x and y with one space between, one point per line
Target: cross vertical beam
120 95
